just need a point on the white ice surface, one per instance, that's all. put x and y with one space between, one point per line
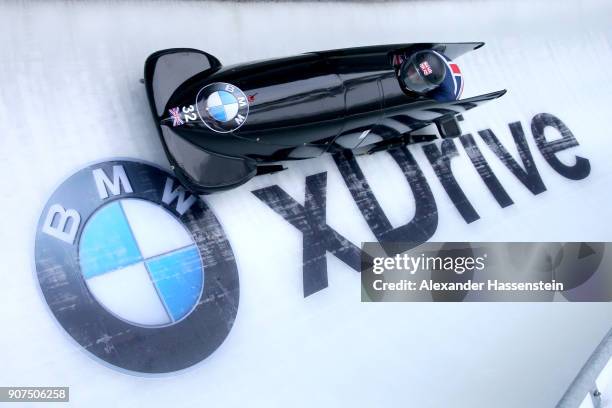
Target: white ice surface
70 95
604 384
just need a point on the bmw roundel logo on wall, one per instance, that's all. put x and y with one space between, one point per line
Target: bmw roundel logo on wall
136 269
222 107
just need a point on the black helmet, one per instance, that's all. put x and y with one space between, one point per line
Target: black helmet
422 71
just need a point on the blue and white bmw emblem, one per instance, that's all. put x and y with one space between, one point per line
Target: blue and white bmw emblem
222 107
136 269
147 273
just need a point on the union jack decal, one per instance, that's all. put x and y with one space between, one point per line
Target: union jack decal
176 117
425 68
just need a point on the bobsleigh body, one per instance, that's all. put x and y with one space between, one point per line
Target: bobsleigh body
221 126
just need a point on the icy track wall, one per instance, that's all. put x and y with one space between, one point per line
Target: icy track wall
71 96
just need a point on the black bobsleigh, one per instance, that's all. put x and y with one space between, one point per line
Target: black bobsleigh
221 126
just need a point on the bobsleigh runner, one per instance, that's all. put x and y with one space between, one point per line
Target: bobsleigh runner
221 126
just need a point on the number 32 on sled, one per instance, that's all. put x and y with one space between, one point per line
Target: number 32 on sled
221 126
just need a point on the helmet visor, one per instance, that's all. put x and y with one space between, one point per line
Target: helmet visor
422 72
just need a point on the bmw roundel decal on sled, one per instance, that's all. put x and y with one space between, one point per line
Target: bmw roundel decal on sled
221 126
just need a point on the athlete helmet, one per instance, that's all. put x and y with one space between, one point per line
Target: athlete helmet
422 72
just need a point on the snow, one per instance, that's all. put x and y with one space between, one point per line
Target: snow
70 95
